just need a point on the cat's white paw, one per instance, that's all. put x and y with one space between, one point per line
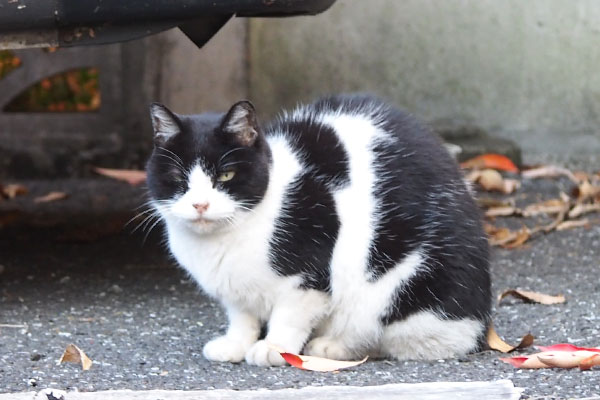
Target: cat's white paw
263 355
224 349
327 347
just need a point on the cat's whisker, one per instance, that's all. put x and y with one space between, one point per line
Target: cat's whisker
229 152
158 220
175 155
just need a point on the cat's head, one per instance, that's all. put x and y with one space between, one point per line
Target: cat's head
207 171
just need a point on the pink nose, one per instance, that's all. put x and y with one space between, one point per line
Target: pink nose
200 207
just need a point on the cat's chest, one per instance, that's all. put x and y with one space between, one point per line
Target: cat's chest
233 267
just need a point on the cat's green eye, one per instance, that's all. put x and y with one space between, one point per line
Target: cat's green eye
226 176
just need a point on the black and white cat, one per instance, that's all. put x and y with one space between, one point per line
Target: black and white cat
344 227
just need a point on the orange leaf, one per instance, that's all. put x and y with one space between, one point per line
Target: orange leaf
493 161
131 176
526 362
589 362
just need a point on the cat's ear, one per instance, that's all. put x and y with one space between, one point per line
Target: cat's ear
165 123
240 124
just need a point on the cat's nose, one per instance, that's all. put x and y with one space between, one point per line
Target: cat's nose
200 207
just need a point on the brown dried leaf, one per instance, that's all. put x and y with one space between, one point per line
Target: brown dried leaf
585 190
501 211
521 236
75 355
496 343
491 180
13 190
534 297
581 209
552 206
578 223
548 171
52 196
489 202
131 176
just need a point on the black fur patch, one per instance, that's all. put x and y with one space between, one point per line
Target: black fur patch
305 233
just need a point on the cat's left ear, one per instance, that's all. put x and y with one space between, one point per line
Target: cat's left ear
240 123
165 123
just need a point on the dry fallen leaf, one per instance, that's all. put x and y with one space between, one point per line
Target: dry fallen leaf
552 206
534 297
317 364
491 180
585 190
501 211
548 171
572 224
493 161
496 343
131 176
13 190
52 196
590 362
75 355
522 235
581 209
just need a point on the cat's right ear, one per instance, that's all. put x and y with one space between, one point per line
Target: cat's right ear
165 123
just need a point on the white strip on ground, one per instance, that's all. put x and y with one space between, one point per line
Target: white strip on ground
497 390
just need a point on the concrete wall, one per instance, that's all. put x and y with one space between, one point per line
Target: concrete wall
526 70
211 78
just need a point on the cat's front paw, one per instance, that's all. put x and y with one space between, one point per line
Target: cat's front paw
264 355
327 347
224 349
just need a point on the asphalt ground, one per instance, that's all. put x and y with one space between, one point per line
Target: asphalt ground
70 274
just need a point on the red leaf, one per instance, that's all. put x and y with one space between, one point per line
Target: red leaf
293 359
566 347
493 161
514 361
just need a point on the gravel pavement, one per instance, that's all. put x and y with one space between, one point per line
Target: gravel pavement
69 274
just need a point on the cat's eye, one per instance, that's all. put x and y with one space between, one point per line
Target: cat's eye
226 176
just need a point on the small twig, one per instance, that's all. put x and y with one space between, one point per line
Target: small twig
12 326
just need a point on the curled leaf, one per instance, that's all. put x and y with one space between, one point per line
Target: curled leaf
581 209
552 206
13 190
585 190
131 176
501 211
52 196
75 355
565 359
491 180
534 297
548 171
311 363
496 343
567 347
589 362
493 161
572 224
525 362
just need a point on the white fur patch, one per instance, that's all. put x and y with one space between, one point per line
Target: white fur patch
426 336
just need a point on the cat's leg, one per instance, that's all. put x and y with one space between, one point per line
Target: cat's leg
290 324
243 331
